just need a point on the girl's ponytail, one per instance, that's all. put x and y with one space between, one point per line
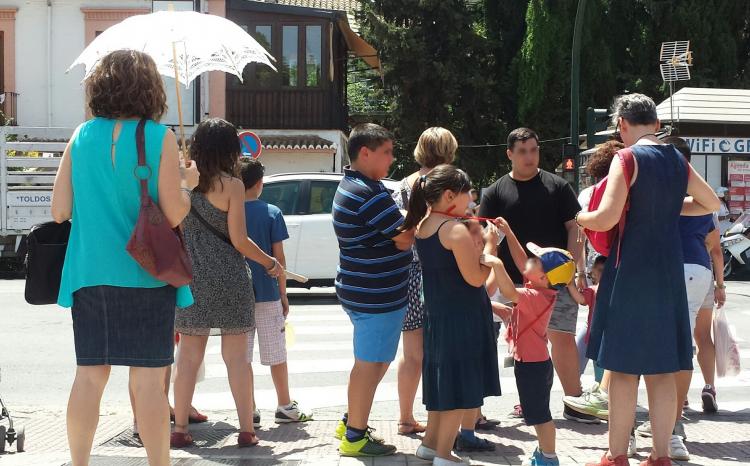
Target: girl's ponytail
428 189
417 205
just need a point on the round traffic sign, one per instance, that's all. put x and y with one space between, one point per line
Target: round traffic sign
250 143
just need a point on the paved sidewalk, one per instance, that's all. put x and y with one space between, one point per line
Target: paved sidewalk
721 439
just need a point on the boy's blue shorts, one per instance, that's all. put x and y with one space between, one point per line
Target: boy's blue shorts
376 335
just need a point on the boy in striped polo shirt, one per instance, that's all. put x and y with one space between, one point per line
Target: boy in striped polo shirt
375 255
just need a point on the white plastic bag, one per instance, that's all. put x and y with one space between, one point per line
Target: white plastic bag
727 350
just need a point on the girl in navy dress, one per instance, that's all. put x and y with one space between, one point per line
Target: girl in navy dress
460 357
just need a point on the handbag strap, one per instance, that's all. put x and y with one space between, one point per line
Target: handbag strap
140 144
628 169
210 227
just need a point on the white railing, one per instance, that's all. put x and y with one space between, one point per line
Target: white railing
28 165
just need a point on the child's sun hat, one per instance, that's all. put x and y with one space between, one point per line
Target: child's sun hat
558 264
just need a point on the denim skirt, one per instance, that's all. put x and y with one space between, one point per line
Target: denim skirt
124 326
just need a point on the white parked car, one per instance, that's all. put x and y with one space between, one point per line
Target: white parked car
306 200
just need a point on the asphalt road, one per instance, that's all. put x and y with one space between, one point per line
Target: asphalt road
37 358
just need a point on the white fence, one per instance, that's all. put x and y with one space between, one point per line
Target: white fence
28 164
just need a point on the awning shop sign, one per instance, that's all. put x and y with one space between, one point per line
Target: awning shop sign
722 146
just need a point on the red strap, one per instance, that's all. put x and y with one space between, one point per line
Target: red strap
465 217
628 169
531 325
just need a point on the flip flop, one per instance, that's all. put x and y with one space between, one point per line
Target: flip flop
410 428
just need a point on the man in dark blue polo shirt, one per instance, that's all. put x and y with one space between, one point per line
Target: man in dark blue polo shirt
375 255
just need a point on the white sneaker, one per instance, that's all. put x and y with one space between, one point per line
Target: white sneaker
290 413
425 453
437 461
632 447
677 449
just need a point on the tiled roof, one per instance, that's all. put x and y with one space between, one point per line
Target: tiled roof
301 142
341 5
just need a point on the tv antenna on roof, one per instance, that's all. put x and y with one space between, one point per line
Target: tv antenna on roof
675 60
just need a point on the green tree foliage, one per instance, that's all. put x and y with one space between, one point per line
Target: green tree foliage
438 71
482 68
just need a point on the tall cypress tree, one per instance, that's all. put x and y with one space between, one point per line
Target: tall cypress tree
438 71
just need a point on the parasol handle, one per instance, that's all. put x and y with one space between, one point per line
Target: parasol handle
185 154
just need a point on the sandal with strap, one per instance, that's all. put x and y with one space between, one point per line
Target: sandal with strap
180 439
651 461
410 428
247 439
621 460
195 417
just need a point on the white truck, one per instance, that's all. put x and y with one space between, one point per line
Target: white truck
29 158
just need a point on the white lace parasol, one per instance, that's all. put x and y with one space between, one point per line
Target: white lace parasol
202 42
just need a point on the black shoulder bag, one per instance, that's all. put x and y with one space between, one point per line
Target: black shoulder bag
46 246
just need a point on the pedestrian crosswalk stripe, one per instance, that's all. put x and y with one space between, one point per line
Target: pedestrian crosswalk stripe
322 355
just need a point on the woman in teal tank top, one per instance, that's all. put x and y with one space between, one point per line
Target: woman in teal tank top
121 315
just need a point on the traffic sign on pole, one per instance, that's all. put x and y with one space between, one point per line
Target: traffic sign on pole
250 143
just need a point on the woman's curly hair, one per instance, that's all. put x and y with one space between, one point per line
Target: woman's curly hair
599 162
216 150
126 84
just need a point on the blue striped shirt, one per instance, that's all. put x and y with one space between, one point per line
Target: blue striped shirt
373 273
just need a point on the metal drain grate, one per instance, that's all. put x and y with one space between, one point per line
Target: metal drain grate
125 461
204 438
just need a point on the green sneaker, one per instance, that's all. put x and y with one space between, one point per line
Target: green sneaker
367 447
593 402
341 432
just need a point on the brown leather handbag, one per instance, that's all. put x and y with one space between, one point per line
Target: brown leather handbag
156 246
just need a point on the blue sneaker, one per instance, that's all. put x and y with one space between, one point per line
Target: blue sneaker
538 459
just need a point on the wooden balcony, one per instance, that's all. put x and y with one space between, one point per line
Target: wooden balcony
286 108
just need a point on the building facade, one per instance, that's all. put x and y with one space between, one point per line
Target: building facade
716 125
301 109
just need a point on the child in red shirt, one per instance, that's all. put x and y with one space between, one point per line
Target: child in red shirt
551 270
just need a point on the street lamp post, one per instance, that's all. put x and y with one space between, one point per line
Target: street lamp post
575 84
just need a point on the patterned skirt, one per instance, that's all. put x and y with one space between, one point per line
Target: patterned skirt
415 313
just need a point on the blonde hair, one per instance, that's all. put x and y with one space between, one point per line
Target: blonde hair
436 146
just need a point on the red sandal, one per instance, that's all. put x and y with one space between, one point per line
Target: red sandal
180 440
663 461
621 460
247 439
195 417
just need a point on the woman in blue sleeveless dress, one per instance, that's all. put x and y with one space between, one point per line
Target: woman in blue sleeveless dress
121 315
641 325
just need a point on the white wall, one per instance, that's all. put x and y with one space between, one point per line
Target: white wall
296 162
333 135
63 91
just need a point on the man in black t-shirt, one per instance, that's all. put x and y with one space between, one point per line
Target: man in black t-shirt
541 207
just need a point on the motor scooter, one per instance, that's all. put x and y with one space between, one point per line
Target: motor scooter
735 243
